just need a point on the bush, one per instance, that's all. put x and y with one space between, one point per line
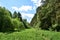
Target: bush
56 27
17 24
5 20
7 24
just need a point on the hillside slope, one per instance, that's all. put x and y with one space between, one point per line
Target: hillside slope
48 15
31 34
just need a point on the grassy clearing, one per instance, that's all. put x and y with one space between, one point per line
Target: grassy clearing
31 34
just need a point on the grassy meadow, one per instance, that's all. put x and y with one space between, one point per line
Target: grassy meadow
31 34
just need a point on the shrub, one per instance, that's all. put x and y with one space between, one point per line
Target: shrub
7 24
17 24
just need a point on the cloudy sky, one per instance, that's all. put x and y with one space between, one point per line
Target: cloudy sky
27 8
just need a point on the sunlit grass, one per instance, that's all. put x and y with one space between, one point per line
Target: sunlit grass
31 34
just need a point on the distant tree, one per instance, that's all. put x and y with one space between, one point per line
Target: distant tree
25 23
22 20
25 20
15 15
19 16
10 13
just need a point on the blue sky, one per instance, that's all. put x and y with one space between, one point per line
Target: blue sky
27 8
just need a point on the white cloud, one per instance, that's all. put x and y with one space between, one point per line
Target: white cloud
34 8
37 2
25 8
28 16
22 8
15 8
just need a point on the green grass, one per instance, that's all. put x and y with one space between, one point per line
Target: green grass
31 34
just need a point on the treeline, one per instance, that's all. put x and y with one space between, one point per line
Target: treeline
11 21
47 15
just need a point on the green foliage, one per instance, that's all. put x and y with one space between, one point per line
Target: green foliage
19 16
7 25
5 20
15 15
48 14
34 21
17 24
9 22
26 24
31 34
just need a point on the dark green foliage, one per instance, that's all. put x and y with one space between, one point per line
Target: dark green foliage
22 20
15 15
34 20
19 16
25 23
5 20
45 23
48 15
9 22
